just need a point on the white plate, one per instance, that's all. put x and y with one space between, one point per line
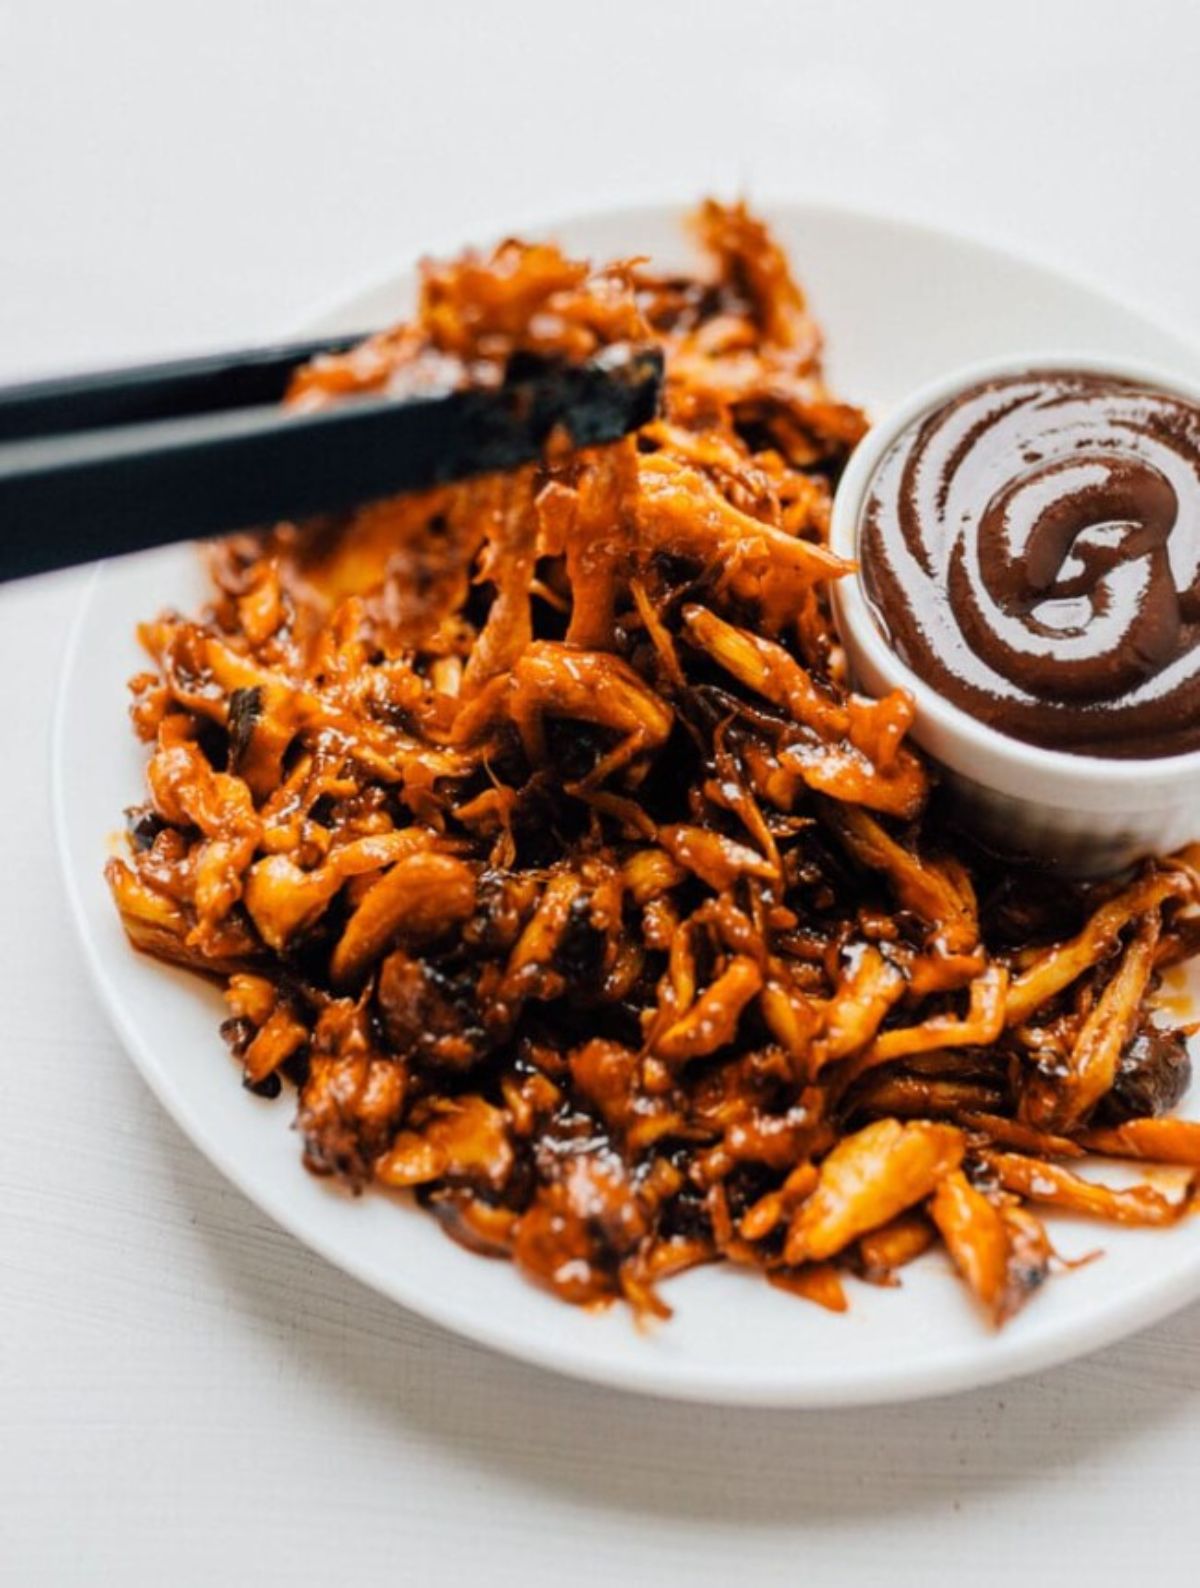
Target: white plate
899 303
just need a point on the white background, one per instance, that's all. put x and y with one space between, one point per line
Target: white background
186 1396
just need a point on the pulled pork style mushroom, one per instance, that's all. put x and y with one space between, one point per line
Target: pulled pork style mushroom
536 836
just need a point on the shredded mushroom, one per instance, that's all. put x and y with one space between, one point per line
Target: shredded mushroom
537 839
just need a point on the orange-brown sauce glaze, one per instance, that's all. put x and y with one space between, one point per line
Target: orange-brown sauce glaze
536 838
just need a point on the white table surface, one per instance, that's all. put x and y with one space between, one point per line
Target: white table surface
186 1395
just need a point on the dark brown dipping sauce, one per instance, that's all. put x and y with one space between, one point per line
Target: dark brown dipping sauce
1031 549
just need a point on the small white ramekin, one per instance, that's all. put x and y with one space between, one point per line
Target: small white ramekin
1082 815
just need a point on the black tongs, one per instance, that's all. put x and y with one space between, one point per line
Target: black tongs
115 462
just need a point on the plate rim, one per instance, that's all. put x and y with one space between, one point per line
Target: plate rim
1006 1357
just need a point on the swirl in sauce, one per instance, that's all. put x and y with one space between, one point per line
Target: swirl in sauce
1032 550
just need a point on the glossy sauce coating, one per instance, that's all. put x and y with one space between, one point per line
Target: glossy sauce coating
1032 550
538 843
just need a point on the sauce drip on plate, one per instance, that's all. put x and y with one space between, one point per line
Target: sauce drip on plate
1032 550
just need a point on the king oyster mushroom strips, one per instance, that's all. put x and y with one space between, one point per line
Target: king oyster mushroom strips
536 839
